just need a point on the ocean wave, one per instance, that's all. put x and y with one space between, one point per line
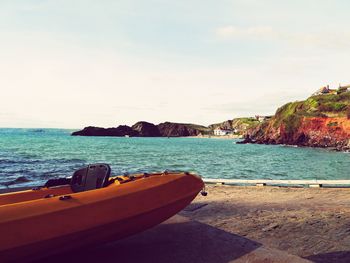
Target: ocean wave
36 130
18 180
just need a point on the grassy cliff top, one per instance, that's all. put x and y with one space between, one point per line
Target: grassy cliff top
201 128
328 105
249 121
317 106
239 124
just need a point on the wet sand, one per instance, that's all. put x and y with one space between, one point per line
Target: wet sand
311 223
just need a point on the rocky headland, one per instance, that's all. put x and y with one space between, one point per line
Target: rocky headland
319 121
322 120
146 129
122 130
238 126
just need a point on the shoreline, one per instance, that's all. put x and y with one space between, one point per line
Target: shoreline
227 137
328 148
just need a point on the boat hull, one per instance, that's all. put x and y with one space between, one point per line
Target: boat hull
92 217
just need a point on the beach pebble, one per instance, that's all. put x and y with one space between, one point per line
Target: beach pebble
270 227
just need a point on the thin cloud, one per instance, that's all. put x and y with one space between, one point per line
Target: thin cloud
248 32
325 39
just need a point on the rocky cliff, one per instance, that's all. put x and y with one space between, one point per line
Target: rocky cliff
169 129
146 129
121 130
319 121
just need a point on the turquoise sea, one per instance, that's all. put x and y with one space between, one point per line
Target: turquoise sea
32 156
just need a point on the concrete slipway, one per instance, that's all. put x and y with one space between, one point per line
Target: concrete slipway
178 240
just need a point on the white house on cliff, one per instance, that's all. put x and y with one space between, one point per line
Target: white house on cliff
222 132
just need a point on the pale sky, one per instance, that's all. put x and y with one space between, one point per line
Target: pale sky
74 63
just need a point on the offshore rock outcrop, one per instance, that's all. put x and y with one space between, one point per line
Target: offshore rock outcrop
319 121
18 180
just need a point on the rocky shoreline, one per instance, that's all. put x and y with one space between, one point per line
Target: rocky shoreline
312 132
320 121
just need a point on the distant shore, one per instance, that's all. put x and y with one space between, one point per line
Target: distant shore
231 136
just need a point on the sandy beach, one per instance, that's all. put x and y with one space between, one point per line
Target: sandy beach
311 223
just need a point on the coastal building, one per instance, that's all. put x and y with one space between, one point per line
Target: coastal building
325 90
261 118
222 132
343 89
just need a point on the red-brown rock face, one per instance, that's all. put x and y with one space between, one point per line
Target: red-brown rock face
310 131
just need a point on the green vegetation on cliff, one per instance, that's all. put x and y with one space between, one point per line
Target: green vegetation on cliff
244 124
331 105
202 129
238 124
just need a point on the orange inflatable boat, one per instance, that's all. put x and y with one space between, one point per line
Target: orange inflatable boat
93 208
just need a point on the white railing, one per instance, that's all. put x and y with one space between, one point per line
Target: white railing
262 182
